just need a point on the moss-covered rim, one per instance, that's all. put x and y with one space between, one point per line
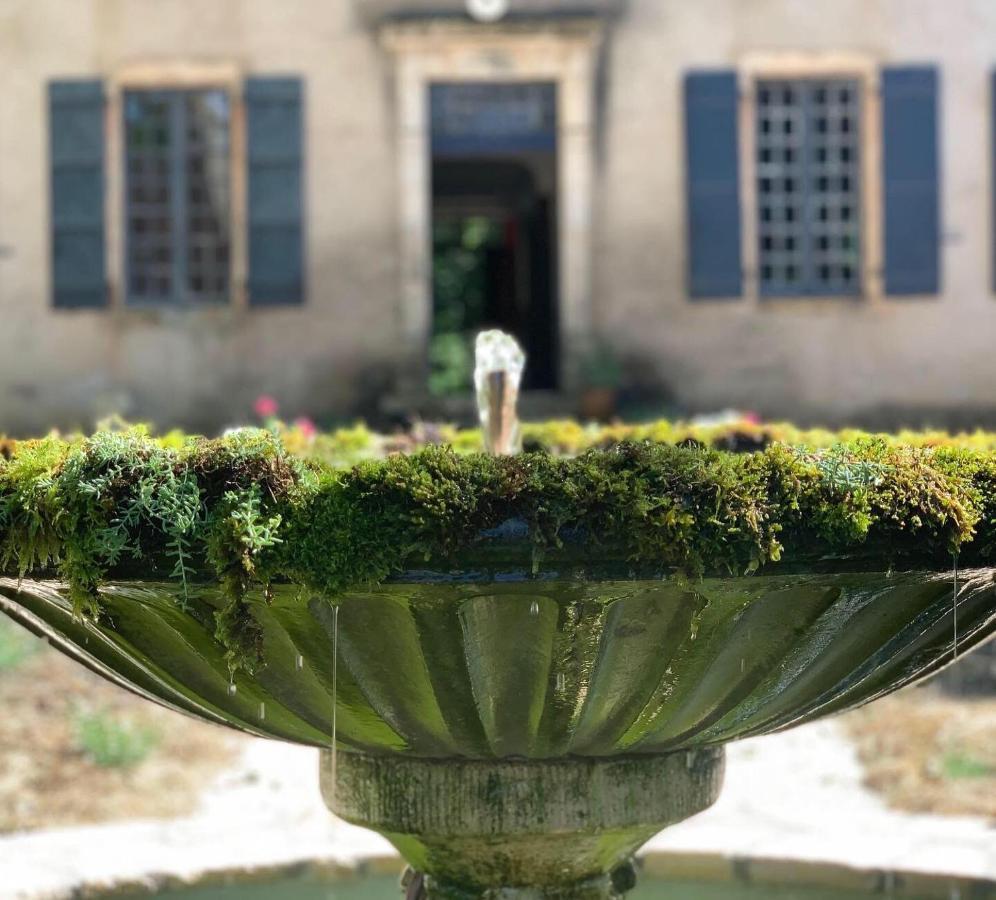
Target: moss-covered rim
242 510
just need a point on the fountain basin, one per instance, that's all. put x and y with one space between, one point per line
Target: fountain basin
503 729
509 666
566 636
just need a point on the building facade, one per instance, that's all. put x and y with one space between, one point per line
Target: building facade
777 205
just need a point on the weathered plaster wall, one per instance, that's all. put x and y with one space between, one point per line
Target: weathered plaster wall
200 367
831 360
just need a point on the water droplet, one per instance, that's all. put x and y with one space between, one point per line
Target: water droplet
299 662
954 604
232 689
689 759
561 681
534 608
335 687
743 665
262 712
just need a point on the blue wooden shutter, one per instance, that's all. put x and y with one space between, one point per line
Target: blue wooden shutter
276 233
76 193
910 180
712 184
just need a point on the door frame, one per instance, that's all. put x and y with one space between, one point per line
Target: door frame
563 52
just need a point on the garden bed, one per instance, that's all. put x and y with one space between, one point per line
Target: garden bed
925 752
75 749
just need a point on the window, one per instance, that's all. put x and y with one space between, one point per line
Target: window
177 188
808 187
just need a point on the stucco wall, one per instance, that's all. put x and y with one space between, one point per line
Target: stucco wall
200 367
830 360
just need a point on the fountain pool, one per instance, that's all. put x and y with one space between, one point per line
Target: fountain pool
386 888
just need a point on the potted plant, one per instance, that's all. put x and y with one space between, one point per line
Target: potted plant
601 374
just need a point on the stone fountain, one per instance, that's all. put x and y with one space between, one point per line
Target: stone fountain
519 727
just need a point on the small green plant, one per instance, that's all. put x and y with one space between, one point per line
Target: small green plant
16 645
111 742
600 367
844 473
957 765
451 364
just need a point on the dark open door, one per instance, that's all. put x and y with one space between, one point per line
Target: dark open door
494 226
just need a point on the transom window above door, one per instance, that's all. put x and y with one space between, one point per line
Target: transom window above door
177 196
808 145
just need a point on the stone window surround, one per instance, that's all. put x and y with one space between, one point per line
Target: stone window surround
564 52
173 75
865 70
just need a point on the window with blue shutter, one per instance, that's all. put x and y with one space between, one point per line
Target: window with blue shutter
276 233
712 185
76 158
910 178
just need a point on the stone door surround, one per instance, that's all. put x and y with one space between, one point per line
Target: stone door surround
563 51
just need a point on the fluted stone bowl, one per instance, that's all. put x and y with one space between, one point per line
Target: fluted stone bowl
518 733
483 664
544 694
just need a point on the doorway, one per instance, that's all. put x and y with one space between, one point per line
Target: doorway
494 223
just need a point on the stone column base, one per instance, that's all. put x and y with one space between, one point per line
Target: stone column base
563 828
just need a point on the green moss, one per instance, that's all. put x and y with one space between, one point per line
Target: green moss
121 500
245 512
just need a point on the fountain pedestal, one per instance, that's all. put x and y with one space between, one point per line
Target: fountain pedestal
563 828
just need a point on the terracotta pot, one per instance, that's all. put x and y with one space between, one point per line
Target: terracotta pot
598 403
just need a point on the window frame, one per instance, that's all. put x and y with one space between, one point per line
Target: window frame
806 98
805 67
166 76
179 179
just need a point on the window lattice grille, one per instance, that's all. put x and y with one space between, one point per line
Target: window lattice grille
808 187
178 196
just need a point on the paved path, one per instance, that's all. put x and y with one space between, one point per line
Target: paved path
791 796
799 795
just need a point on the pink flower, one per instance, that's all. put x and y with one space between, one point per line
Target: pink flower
305 426
751 418
265 406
